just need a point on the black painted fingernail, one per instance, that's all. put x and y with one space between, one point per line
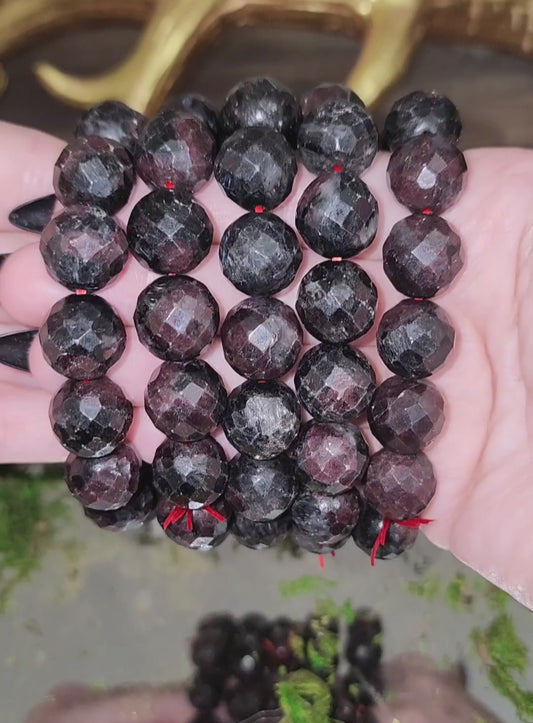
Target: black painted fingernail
3 257
15 349
33 216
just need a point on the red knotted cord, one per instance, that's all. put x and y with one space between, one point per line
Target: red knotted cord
214 513
175 516
189 521
414 523
321 562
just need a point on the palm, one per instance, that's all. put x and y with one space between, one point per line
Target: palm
482 458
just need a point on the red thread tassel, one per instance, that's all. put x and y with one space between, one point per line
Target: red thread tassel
189 521
380 540
321 562
337 169
414 523
169 185
175 516
214 513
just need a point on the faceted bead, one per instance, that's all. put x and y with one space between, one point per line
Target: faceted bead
414 338
310 544
104 483
196 105
338 133
325 93
190 474
207 530
187 400
82 337
115 121
261 338
83 248
422 255
337 216
256 167
399 486
406 414
169 233
427 173
260 535
261 490
94 171
176 317
326 519
334 383
177 151
420 112
90 418
330 458
260 254
399 538
262 419
263 103
139 510
337 301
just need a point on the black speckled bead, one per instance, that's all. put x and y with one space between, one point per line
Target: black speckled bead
399 538
177 152
187 400
414 338
82 337
337 216
256 167
139 510
169 233
262 419
426 173
338 133
261 490
83 248
334 383
196 105
263 103
337 302
94 171
261 338
190 474
176 317
417 113
202 531
90 418
330 458
327 520
422 255
325 93
260 254
115 121
406 414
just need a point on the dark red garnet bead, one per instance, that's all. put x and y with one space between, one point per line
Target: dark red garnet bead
261 338
187 400
82 337
95 171
115 121
198 529
327 520
399 538
176 317
190 474
406 414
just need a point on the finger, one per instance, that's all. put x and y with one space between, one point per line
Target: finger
26 171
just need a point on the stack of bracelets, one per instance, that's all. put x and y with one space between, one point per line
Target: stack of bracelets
305 472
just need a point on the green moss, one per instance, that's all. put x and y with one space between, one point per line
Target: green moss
427 588
29 511
304 698
504 655
305 585
457 593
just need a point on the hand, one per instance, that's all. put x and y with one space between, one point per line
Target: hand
484 456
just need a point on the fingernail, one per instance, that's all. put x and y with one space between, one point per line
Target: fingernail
33 216
3 257
15 349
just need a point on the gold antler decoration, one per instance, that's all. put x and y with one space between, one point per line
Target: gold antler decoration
392 29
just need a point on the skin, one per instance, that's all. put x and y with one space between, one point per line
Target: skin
482 459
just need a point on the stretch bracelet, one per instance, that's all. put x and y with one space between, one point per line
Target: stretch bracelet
302 466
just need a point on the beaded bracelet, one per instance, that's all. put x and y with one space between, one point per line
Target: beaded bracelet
314 481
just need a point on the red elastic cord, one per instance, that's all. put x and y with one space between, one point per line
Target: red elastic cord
259 209
169 185
427 212
414 523
214 513
189 521
175 516
337 169
321 562
81 292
